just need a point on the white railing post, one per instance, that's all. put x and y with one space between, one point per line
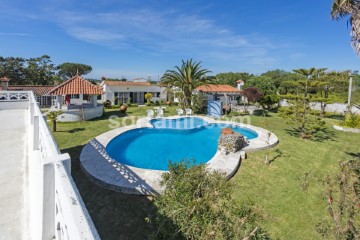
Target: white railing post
48 220
31 113
49 193
36 133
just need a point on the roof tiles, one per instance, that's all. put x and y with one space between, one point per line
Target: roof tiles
76 85
125 83
218 88
38 90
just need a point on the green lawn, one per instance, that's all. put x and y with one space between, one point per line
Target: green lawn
288 212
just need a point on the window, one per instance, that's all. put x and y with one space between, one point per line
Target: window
156 94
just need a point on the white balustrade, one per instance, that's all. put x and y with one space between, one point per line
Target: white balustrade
60 212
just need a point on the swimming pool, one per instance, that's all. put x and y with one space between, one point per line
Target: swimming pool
170 140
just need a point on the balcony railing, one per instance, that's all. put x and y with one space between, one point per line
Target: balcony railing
56 208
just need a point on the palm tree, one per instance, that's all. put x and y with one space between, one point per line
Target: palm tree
187 78
343 8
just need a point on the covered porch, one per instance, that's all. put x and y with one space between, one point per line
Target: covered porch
77 99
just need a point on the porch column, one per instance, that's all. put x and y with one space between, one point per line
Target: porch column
59 101
93 100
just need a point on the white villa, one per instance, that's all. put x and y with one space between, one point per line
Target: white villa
225 93
121 91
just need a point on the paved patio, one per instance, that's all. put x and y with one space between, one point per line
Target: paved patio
13 174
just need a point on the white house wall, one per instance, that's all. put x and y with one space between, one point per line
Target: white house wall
110 90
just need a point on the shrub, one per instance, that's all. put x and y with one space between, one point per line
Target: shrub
157 103
123 108
107 104
197 204
148 104
148 97
128 103
351 120
134 105
200 103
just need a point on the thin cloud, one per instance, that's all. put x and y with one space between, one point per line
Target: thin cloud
167 32
14 34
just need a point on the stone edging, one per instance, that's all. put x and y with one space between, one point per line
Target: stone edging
115 176
344 129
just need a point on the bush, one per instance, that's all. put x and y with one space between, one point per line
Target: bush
200 103
107 104
351 120
197 204
128 103
149 104
134 105
157 103
123 108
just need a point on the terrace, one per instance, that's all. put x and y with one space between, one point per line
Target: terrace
39 199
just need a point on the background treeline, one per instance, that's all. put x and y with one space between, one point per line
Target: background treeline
325 84
39 70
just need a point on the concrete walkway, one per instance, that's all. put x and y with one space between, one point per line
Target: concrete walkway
13 133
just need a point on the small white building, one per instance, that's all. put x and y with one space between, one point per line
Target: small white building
225 93
120 91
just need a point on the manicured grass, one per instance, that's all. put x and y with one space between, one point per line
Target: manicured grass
288 212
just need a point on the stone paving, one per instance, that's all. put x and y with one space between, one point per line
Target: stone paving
115 176
13 157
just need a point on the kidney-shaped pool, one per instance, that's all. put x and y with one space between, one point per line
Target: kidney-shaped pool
170 140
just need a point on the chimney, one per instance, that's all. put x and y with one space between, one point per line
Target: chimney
4 83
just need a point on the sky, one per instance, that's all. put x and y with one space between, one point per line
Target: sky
138 39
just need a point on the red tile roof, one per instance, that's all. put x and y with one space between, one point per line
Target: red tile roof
218 88
125 83
38 90
76 85
4 79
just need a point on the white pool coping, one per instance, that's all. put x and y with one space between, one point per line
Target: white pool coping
115 176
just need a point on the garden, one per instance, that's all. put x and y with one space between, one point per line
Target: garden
288 192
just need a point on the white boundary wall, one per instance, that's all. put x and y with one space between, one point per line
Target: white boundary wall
55 207
340 108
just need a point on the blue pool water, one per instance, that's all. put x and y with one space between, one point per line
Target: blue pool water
153 148
179 123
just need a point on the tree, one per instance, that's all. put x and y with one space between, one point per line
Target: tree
32 71
148 97
299 110
267 90
52 115
40 71
279 76
328 84
187 78
197 204
13 68
343 8
69 70
230 78
264 84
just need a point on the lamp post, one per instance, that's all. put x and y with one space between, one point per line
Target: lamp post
351 74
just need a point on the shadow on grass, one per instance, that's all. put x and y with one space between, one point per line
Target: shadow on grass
352 154
74 130
321 135
279 154
115 215
107 114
